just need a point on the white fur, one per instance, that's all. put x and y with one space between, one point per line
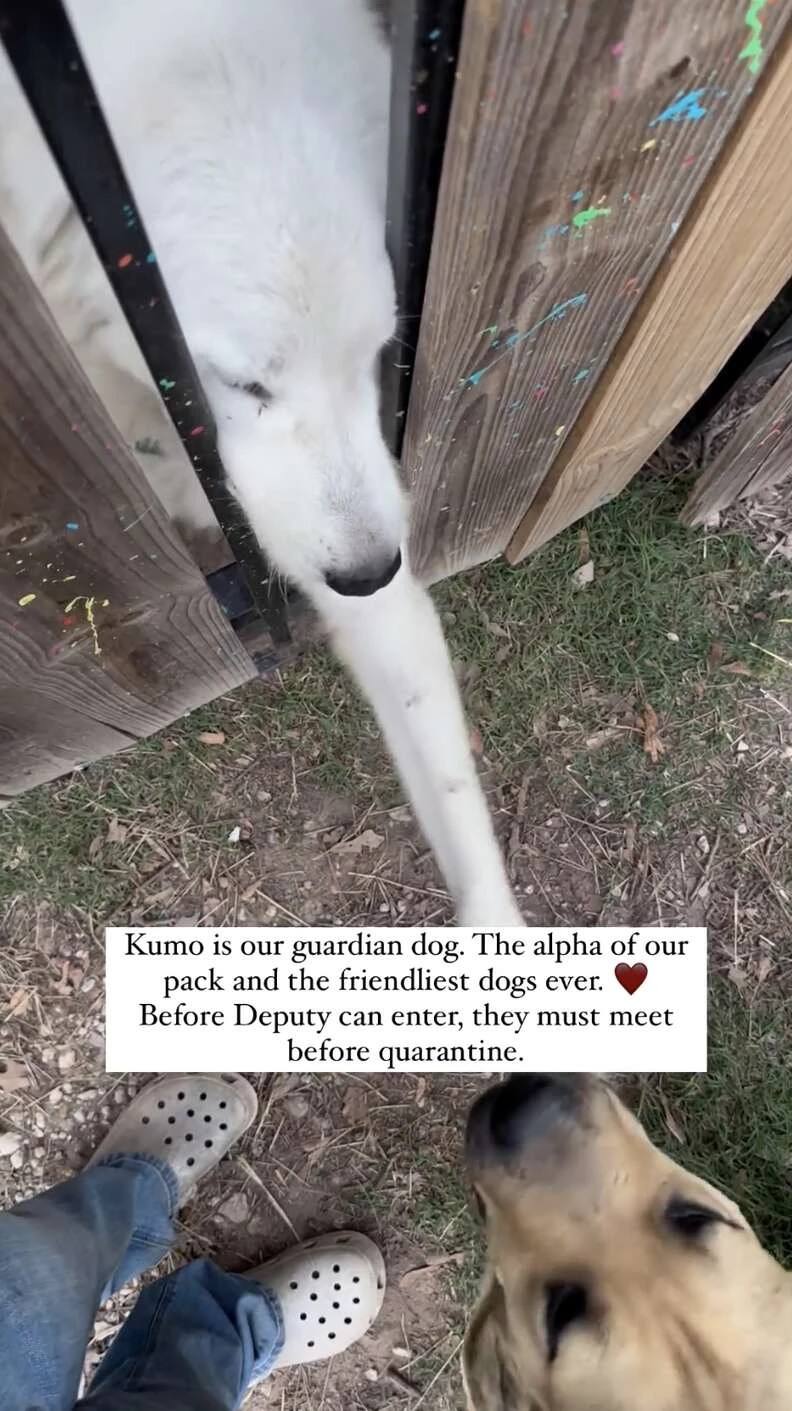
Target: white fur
254 135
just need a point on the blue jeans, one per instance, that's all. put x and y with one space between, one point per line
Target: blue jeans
194 1341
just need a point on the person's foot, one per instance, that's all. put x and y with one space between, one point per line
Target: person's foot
189 1120
330 1290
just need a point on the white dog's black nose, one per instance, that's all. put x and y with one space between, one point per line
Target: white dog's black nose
366 579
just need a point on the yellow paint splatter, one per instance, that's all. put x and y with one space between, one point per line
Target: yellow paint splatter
648 145
90 605
559 431
26 599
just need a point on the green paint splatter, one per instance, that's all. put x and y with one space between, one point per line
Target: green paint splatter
585 217
754 49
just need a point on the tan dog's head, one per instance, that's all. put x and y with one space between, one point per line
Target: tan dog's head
616 1281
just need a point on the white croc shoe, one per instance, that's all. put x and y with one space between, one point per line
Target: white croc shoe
189 1120
330 1290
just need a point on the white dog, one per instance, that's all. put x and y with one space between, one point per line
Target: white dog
254 136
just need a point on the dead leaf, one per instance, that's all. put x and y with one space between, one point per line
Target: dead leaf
367 841
116 832
476 742
584 545
763 968
212 737
13 1076
19 1003
284 1084
427 1270
495 629
70 979
653 745
736 668
420 1092
401 814
738 978
95 847
671 1122
584 575
355 1107
715 655
602 737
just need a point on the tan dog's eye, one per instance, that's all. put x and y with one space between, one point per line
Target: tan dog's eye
689 1219
565 1304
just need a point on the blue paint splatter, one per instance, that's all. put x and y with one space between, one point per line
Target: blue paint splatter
151 258
72 526
577 196
552 230
434 35
558 312
686 107
166 384
675 224
582 375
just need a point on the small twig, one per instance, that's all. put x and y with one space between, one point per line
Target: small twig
254 1176
403 1383
455 1351
774 655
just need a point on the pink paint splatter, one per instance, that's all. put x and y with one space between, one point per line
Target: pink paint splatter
198 431
125 261
688 161
617 49
422 108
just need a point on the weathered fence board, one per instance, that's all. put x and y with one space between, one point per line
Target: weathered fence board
579 138
758 455
730 259
107 629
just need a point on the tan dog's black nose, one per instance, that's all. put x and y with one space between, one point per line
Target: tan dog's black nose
520 1111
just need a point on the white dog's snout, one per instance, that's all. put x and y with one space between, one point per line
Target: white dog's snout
362 579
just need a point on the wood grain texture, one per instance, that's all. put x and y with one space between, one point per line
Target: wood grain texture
579 138
107 629
730 259
759 454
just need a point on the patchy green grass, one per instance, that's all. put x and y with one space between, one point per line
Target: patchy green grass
551 665
555 665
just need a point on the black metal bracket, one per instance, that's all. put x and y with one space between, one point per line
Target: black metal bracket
425 37
44 53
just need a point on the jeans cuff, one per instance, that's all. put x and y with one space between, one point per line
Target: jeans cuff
134 1160
264 1365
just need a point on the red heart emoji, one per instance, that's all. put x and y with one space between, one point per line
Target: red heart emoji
631 977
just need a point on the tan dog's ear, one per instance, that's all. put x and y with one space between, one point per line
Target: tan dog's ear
489 1385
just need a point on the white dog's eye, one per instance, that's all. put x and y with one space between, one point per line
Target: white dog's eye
255 389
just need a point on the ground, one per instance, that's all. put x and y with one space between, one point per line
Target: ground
633 732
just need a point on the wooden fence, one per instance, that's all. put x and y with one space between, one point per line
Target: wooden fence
614 214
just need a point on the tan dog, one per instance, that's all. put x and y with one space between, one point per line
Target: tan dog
616 1281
